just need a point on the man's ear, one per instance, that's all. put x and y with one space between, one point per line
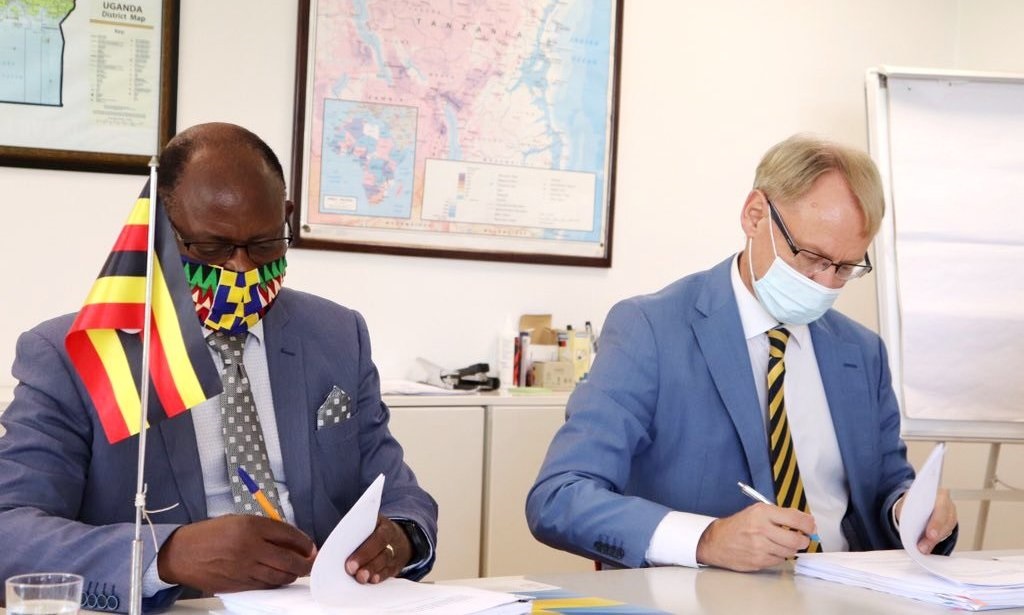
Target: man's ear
755 210
289 207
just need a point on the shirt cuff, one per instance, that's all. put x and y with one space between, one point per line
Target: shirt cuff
151 582
892 514
674 542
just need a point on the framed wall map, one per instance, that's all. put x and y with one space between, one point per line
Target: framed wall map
482 130
87 85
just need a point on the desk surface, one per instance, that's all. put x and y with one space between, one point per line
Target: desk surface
713 591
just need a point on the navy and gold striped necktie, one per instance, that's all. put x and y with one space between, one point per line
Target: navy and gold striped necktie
789 489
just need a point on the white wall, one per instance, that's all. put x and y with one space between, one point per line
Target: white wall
706 88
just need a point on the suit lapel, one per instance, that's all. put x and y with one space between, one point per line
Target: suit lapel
720 337
179 438
842 375
288 384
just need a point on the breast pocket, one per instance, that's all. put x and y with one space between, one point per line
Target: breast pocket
337 458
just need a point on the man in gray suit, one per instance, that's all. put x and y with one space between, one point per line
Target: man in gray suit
686 397
65 492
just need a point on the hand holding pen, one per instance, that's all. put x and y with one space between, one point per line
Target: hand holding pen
262 551
755 494
756 537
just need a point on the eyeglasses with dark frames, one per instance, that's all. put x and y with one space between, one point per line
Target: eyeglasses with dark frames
812 263
217 252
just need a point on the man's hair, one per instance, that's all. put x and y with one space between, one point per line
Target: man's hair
179 152
789 169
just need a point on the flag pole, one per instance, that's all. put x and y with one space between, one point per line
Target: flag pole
135 607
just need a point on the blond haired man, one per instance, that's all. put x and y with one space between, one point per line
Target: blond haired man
743 373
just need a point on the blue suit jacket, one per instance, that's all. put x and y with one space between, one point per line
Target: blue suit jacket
669 419
66 494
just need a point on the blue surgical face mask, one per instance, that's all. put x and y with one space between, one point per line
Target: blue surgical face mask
788 295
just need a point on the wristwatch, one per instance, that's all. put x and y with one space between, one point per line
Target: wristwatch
417 539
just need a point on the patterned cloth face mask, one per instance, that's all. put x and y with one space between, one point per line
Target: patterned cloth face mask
233 301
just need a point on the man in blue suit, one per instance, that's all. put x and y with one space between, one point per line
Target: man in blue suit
675 412
65 492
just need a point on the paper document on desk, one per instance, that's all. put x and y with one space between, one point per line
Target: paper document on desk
331 591
971 584
409 387
392 596
917 508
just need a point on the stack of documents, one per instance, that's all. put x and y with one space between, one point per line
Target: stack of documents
970 584
331 591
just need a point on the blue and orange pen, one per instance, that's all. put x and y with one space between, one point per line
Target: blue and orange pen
258 494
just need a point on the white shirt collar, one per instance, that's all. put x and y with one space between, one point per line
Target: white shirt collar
755 319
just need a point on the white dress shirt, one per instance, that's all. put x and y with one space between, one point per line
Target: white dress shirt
675 539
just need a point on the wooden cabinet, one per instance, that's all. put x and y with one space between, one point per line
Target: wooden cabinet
478 455
517 440
443 447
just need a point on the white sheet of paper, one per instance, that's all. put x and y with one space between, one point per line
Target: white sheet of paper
917 508
294 598
328 580
410 387
509 585
391 596
330 590
920 501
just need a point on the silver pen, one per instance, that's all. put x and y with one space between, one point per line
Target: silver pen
755 494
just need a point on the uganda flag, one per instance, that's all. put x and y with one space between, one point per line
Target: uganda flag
181 369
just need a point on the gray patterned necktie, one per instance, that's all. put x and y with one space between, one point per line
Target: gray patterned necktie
240 426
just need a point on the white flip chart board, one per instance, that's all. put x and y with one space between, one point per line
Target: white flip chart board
950 253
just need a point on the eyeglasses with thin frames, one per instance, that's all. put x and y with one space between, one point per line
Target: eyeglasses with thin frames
812 263
218 252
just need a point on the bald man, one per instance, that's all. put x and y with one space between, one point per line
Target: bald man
65 492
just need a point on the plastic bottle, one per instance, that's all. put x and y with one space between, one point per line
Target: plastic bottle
507 355
563 345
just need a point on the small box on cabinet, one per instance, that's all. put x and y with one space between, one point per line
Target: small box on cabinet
554 375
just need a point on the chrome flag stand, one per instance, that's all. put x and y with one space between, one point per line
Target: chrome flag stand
135 606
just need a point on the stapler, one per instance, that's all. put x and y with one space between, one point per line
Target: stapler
471 378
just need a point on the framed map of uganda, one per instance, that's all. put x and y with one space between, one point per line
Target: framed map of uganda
87 85
470 129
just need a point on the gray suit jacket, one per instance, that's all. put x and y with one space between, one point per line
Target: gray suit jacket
670 420
66 494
